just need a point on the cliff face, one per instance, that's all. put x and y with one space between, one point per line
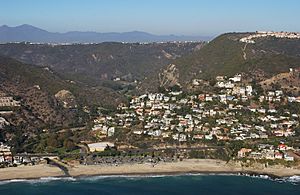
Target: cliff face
169 76
66 98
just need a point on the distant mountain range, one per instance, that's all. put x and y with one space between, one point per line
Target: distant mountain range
33 34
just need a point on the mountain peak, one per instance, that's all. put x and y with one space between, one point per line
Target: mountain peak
28 27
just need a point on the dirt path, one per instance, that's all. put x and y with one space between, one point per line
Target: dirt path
244 51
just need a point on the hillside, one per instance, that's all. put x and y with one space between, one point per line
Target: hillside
152 65
68 81
38 109
99 64
20 74
287 81
226 55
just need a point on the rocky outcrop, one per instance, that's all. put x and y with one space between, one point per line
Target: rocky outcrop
66 98
169 76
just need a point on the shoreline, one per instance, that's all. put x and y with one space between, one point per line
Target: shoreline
168 174
186 167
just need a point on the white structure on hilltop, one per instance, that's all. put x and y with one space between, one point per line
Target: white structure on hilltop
260 34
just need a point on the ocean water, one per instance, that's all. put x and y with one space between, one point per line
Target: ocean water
130 185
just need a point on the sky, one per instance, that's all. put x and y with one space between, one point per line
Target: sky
180 17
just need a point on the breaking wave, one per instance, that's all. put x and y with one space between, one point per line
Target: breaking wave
293 179
37 181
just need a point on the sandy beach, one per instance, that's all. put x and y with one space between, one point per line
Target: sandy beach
30 172
185 166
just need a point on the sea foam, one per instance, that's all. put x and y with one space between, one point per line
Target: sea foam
37 181
293 179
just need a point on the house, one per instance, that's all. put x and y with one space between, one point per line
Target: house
261 98
201 97
137 132
155 133
175 93
278 155
166 134
175 136
236 78
110 131
269 154
220 78
208 137
3 122
198 136
265 146
282 147
243 152
229 85
220 84
261 110
2 160
263 136
99 146
249 90
291 99
242 91
278 92
255 155
9 102
287 157
279 133
197 82
221 137
208 98
166 98
271 93
229 97
182 137
5 154
222 98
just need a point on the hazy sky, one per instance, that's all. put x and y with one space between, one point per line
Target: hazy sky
189 17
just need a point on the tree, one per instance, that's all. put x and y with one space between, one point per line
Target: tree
17 142
212 82
161 89
297 131
69 145
257 88
52 141
175 88
1 136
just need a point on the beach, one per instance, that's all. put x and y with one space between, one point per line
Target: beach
181 167
30 172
